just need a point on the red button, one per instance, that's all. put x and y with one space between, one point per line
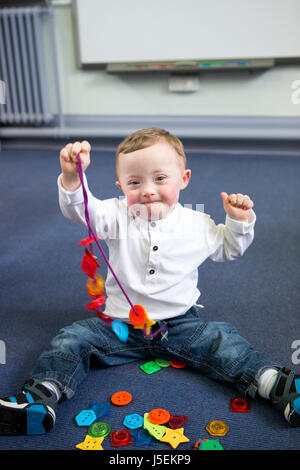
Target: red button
240 405
120 438
177 364
121 398
87 241
177 421
95 304
89 263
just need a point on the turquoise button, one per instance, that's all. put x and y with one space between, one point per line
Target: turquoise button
85 417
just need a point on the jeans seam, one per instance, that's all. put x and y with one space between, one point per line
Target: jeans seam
193 337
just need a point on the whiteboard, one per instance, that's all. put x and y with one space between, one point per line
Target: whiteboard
112 31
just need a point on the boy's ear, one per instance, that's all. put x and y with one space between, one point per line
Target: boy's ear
185 179
119 185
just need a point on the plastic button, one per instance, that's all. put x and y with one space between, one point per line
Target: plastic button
210 444
142 437
156 430
133 421
95 285
162 362
217 428
152 271
99 429
174 437
100 409
89 263
95 304
121 398
121 330
137 317
120 438
150 367
91 443
177 364
177 421
85 417
159 416
108 320
87 241
155 248
240 405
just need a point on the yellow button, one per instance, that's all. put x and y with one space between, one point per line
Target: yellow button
91 443
217 428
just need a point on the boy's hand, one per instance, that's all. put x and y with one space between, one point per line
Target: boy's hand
68 159
237 206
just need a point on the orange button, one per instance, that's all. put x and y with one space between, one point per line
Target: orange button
177 364
139 316
95 286
121 398
159 416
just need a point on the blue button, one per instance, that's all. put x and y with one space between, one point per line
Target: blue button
133 421
100 409
121 330
142 437
85 417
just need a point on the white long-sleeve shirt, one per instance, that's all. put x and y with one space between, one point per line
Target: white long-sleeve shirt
156 261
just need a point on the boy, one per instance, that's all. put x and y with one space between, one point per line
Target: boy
155 247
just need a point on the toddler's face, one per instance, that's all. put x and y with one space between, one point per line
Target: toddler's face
151 180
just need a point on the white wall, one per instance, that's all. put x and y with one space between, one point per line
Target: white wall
85 92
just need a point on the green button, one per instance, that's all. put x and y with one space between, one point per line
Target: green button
99 429
150 367
211 445
162 362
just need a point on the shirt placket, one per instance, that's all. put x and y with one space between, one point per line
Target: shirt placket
154 255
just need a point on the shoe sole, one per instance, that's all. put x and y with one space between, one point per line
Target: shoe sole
31 419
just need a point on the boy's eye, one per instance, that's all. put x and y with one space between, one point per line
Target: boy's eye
160 178
133 182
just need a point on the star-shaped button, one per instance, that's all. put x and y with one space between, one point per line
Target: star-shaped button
174 437
91 443
148 323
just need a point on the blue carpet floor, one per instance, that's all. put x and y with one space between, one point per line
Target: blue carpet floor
42 289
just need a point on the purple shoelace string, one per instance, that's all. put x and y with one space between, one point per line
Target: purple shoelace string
92 234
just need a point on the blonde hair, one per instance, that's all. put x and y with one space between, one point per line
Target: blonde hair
144 138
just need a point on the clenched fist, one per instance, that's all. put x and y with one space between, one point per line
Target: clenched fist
68 159
237 206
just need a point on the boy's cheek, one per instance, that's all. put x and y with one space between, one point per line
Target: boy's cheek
171 195
131 199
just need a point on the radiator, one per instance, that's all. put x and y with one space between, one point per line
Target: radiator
22 67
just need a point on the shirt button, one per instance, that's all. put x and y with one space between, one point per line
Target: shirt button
153 224
155 248
152 271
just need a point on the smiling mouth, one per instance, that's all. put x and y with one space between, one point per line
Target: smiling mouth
150 202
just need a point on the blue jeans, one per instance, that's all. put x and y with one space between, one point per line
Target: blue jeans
214 349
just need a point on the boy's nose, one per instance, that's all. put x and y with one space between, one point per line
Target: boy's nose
148 190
